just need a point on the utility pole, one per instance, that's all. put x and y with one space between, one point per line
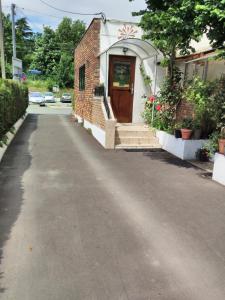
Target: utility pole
13 7
2 44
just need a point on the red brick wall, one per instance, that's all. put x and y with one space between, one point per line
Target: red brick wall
87 53
184 110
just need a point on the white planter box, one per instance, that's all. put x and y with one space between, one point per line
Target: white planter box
184 149
219 168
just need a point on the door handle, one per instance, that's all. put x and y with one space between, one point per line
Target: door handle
132 89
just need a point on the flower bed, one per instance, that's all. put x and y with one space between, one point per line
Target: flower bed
184 149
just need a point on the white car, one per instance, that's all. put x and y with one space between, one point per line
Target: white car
49 97
37 98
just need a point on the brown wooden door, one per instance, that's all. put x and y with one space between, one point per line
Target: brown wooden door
121 86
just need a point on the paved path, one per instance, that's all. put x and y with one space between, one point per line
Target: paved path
78 222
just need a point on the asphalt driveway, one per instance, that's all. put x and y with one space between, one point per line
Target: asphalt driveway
78 222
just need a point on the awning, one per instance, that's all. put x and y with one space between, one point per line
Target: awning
141 48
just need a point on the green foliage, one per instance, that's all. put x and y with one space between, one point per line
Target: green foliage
50 84
25 42
187 123
165 106
218 103
209 104
47 53
212 145
13 105
37 85
65 75
198 92
171 25
146 78
211 19
54 51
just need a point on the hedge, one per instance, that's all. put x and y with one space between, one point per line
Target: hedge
13 104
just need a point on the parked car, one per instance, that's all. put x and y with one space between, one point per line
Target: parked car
49 97
36 98
66 97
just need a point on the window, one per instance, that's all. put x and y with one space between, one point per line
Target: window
82 78
122 71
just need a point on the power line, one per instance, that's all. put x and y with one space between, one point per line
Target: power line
74 13
42 14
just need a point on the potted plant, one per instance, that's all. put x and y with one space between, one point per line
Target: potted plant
222 141
177 130
186 130
197 129
203 154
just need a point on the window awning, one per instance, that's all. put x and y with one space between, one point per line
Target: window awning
141 48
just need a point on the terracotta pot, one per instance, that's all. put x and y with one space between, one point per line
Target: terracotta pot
186 133
222 146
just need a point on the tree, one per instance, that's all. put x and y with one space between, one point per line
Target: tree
7 25
211 19
25 42
170 26
47 53
54 51
69 34
65 71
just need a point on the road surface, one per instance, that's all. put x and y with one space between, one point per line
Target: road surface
78 222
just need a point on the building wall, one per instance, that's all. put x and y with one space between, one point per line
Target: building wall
86 54
113 31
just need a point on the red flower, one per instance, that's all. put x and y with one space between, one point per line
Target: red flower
158 107
151 99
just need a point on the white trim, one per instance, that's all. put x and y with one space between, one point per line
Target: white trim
184 149
97 132
79 119
11 136
219 168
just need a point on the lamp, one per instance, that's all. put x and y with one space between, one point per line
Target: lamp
125 50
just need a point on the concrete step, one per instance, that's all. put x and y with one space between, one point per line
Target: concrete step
134 128
143 146
135 136
136 140
136 133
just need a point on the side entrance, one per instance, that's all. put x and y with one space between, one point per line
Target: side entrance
121 86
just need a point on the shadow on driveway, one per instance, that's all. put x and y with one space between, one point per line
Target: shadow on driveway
12 168
161 155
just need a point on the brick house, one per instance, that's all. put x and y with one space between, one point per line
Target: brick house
110 89
111 65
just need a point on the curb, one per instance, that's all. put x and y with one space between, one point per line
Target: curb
200 167
11 136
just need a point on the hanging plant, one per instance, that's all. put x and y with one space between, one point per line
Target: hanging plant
146 78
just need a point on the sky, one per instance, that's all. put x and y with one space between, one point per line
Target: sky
38 14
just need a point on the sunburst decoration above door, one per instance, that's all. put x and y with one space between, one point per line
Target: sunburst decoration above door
127 32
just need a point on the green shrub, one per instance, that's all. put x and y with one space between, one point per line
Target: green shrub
164 107
199 93
13 104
